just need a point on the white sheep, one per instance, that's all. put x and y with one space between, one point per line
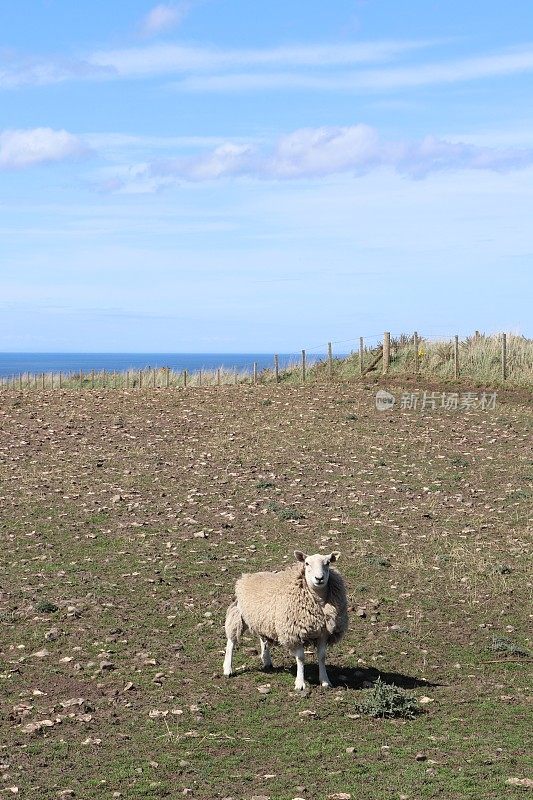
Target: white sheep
304 604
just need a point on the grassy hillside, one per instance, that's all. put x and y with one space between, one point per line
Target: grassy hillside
479 362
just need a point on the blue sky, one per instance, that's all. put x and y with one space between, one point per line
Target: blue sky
219 175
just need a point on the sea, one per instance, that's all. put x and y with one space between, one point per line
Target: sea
12 364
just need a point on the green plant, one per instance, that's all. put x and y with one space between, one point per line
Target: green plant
503 569
502 645
285 512
377 561
46 607
459 461
264 485
388 701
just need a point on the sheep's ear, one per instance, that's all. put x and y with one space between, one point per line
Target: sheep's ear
299 556
334 556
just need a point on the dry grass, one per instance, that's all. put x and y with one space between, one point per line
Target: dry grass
479 359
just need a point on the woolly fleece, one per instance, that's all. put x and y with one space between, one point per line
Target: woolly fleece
280 607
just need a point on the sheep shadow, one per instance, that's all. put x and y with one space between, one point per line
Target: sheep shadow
354 678
359 677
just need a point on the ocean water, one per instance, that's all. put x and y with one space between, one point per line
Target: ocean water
15 363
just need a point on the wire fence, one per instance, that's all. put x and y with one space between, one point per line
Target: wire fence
496 358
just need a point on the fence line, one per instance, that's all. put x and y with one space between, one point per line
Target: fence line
412 353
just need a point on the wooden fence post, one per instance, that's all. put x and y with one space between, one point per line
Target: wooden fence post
504 356
255 372
218 376
417 366
361 354
235 376
456 357
303 367
184 378
199 377
42 381
127 379
276 368
330 361
386 352
167 377
92 379
20 381
140 379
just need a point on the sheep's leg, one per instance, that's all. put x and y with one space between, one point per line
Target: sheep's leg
299 655
235 627
322 672
228 660
266 659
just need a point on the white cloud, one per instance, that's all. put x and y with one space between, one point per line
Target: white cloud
25 148
467 69
173 58
17 70
366 80
323 151
322 67
310 153
163 17
226 159
313 152
264 81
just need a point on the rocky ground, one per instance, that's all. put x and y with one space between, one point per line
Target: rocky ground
126 518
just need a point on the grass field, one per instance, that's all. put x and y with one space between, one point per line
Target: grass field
126 518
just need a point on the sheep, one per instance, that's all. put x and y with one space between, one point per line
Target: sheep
304 604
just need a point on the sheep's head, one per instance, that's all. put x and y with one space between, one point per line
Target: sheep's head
316 567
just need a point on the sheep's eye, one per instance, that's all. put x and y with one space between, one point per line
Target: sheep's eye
307 563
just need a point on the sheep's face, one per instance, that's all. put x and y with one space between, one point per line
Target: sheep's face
316 568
